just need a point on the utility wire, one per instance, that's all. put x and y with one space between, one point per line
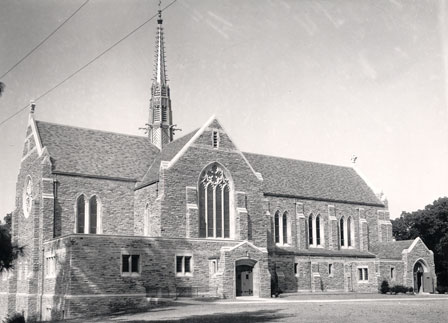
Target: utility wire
44 40
86 65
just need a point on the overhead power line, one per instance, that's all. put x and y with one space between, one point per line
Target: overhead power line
44 40
86 65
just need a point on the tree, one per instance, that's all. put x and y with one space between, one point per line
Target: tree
431 225
8 251
8 221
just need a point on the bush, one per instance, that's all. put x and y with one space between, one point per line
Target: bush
384 287
15 318
442 289
411 289
399 289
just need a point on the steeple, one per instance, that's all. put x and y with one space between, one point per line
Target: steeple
160 114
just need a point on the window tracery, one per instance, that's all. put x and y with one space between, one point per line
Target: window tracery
214 200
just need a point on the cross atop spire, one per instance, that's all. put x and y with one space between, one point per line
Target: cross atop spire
160 13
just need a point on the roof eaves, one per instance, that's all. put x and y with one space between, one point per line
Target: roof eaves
121 179
321 199
138 187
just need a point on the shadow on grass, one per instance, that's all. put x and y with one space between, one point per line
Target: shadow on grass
239 317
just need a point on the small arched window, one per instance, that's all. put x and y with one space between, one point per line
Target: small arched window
214 203
80 214
315 231
285 227
93 215
318 230
277 227
146 220
310 230
347 230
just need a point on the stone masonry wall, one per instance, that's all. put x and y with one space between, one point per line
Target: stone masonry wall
313 274
185 174
115 197
148 195
330 235
95 262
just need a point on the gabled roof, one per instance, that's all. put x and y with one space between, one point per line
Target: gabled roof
96 153
392 249
310 180
167 153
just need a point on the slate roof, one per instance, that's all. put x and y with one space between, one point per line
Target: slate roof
96 153
168 152
106 154
310 180
391 250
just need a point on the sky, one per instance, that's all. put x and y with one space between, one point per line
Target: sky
314 80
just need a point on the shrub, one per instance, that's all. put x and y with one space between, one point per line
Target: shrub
399 289
411 289
442 289
384 287
15 318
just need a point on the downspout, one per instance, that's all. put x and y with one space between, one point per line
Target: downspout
55 194
42 285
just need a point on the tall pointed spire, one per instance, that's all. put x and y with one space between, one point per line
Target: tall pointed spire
160 114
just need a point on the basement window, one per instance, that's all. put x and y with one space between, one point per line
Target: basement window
184 265
130 265
392 273
363 274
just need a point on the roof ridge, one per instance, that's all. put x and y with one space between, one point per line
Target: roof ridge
300 160
91 129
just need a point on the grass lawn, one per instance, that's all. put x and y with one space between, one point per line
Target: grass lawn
292 308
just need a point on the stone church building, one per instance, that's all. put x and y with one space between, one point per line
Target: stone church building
111 220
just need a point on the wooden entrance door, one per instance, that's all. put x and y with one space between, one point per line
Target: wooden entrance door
428 286
244 281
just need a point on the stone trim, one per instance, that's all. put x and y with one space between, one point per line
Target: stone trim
28 154
32 123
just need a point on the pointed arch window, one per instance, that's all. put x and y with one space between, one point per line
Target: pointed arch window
285 227
80 214
277 227
146 220
87 215
318 230
214 203
347 231
315 231
310 230
281 228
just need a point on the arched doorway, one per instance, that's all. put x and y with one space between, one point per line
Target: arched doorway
418 277
244 277
422 278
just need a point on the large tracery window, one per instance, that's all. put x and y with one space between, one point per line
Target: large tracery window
214 203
